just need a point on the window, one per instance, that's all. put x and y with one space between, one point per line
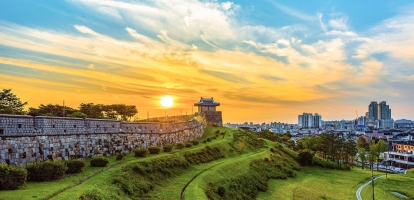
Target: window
19 125
53 126
64 130
74 126
1 131
97 126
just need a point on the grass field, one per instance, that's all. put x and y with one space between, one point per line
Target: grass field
401 183
318 183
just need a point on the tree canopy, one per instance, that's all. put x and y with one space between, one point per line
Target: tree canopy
10 104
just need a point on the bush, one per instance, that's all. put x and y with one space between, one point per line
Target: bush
188 145
204 141
45 171
305 158
91 195
99 161
195 142
154 150
179 146
167 148
221 191
141 152
11 177
208 140
74 166
120 157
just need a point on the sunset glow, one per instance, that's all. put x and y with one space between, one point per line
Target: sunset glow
167 101
262 60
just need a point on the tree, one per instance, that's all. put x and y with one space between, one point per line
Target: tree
361 143
305 157
362 156
291 144
380 147
77 114
51 110
91 110
10 104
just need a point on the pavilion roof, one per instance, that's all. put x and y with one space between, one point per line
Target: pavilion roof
207 102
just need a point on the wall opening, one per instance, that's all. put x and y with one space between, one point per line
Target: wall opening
1 131
97 126
64 130
19 125
74 126
53 126
113 126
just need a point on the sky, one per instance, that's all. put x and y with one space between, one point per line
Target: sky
264 61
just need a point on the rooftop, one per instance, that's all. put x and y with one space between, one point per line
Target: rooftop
207 102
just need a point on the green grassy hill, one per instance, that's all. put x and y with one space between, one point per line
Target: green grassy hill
226 164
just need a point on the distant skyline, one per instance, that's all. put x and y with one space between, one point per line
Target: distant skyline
262 60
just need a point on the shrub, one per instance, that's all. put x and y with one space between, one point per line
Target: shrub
167 148
154 150
208 140
11 177
74 166
195 142
305 158
141 152
46 171
221 191
204 141
120 157
99 161
91 195
188 145
179 146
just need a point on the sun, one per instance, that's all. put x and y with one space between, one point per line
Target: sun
167 101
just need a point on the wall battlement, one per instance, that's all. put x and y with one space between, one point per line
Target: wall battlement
25 139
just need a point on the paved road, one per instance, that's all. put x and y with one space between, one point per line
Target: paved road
358 192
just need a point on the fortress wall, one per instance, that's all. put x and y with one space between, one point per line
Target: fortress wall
57 138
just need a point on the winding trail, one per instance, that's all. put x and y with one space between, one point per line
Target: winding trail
188 183
195 176
358 192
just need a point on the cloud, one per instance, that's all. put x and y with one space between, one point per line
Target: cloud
91 66
293 12
225 76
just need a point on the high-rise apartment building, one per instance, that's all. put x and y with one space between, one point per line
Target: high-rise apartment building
379 115
373 110
307 120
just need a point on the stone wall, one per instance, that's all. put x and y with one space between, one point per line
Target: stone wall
213 117
57 138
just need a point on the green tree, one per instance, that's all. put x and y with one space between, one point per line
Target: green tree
291 144
362 156
380 147
91 110
51 110
361 143
305 157
10 104
77 114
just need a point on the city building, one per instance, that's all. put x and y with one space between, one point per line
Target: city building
307 120
402 154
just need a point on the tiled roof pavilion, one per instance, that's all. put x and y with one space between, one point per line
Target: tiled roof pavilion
207 102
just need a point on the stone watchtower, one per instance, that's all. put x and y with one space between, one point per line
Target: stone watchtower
207 107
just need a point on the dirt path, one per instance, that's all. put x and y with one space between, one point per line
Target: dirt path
188 183
79 182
